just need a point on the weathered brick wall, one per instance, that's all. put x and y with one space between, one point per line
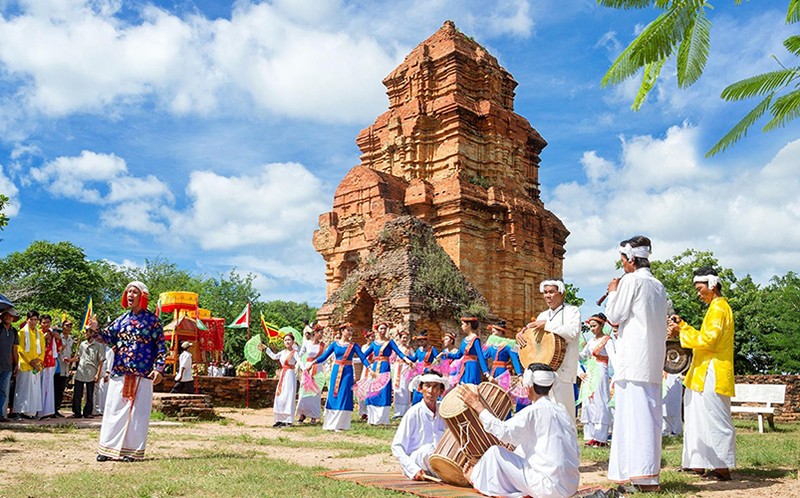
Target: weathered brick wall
231 391
790 410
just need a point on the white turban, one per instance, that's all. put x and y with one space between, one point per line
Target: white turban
429 377
554 283
711 280
635 252
138 285
544 378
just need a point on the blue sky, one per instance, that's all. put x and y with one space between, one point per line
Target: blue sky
214 134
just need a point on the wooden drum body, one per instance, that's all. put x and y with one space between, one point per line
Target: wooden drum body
542 347
464 423
448 461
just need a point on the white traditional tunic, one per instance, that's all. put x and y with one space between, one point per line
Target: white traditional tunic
672 425
544 464
101 387
565 321
400 382
287 384
309 405
595 413
417 436
639 306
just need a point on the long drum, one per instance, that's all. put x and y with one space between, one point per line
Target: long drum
464 423
448 461
542 346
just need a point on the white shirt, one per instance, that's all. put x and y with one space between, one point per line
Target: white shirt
565 321
546 438
639 306
185 366
419 427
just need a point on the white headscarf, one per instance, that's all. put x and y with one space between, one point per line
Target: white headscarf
711 280
544 378
635 252
554 283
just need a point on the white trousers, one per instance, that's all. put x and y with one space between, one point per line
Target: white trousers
563 393
28 393
377 415
48 392
124 429
709 438
636 446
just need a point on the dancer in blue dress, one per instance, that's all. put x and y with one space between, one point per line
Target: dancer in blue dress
378 405
500 355
339 407
423 357
473 368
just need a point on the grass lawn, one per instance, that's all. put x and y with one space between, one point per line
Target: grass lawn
222 465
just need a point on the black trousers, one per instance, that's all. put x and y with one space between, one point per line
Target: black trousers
183 387
60 382
77 397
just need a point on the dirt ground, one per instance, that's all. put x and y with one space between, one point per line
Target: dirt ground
76 449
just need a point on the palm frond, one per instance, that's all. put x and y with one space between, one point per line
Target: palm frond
659 38
625 4
783 110
792 44
740 129
693 51
793 14
651 72
759 84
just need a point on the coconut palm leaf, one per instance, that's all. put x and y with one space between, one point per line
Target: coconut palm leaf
693 51
759 84
655 43
792 44
651 72
793 15
626 4
783 110
740 130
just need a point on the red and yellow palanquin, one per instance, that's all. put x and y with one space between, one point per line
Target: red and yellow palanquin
206 338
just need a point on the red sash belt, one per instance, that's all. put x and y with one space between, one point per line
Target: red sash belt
498 364
284 368
340 374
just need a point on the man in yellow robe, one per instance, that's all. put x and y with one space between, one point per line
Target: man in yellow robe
709 441
28 392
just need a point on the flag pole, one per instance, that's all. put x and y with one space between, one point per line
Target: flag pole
247 377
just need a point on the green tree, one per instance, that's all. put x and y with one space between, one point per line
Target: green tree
571 295
50 275
777 316
682 31
750 352
3 217
226 296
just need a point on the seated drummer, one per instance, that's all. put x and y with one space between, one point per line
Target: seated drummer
546 461
421 428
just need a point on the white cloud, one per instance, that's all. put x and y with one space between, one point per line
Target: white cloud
133 203
11 191
305 59
660 187
276 207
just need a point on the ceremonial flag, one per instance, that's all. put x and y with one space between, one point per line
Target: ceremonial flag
270 329
243 320
87 317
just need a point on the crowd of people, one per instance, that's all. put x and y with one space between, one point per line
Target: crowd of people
626 398
625 395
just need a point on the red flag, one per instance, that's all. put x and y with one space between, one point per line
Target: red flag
243 320
269 329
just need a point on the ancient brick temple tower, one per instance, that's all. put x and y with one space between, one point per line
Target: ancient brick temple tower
451 151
